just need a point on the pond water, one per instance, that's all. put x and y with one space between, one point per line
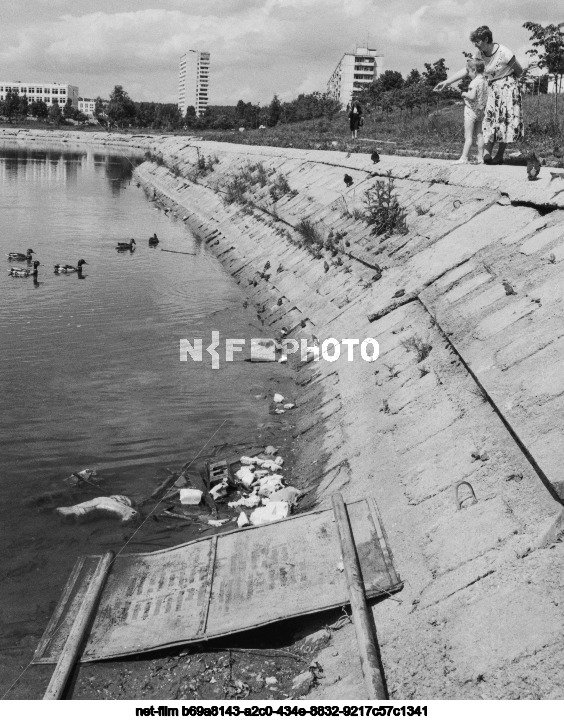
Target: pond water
89 366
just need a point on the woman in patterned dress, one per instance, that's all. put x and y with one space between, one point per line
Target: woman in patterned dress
503 121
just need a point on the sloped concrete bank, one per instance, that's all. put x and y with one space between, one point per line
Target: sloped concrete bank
467 309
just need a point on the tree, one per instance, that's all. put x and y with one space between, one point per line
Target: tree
121 108
435 73
274 111
190 116
413 78
390 80
55 114
11 104
548 49
23 106
69 112
39 109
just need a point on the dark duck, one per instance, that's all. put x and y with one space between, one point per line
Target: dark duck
126 246
66 268
21 256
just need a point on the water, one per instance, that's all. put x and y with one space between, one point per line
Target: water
89 367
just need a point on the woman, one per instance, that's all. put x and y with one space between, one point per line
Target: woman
355 116
502 118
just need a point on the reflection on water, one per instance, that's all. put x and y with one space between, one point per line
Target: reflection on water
89 370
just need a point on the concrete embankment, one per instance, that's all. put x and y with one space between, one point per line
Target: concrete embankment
467 309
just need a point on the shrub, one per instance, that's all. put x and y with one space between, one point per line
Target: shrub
383 209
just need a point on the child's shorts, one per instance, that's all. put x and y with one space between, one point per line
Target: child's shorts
473 115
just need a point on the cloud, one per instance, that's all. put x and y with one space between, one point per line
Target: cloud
258 47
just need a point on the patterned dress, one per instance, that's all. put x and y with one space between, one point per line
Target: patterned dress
503 120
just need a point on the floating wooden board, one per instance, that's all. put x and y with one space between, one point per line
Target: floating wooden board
222 584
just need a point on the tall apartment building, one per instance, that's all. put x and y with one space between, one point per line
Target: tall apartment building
193 81
50 93
354 71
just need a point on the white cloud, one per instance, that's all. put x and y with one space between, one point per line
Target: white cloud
258 47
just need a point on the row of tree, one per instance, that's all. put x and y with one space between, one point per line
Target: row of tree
18 107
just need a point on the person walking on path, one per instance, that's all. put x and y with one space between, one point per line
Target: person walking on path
355 116
474 104
503 121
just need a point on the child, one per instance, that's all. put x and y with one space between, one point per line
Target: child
475 101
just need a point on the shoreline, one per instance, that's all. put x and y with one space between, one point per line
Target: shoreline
452 403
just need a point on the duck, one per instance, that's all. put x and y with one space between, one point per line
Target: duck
21 256
16 272
126 246
154 240
59 268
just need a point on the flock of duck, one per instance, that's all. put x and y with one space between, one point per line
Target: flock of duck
31 269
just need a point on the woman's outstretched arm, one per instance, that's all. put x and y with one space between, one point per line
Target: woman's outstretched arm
453 78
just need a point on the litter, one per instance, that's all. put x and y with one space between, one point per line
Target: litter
218 522
77 479
250 502
270 450
102 507
243 520
278 398
289 406
269 485
271 465
279 460
262 351
271 512
190 496
219 491
288 494
279 411
246 477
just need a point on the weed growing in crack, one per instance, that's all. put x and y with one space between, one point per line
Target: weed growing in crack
235 191
383 210
279 188
310 233
421 348
393 373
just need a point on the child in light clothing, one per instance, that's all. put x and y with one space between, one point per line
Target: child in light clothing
475 102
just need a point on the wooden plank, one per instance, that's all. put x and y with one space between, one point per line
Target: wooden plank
362 618
79 630
232 582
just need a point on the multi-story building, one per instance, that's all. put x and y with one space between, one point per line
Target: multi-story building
354 72
50 93
193 81
87 106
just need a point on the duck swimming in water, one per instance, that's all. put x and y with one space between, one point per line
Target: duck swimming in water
70 268
154 240
126 246
24 272
21 256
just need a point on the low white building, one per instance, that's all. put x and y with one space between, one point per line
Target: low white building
87 106
354 72
50 93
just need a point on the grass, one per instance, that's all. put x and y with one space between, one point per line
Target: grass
436 134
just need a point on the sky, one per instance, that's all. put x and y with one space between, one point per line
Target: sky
258 47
